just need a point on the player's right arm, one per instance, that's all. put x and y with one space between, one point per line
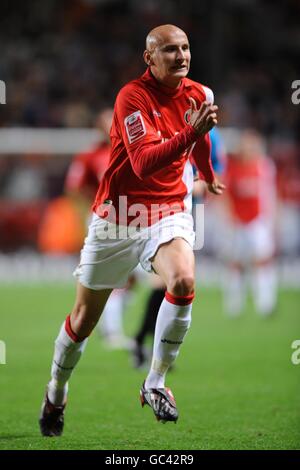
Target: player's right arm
146 151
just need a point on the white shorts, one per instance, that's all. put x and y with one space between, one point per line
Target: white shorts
111 252
249 242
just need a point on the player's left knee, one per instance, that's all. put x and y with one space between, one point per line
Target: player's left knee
182 285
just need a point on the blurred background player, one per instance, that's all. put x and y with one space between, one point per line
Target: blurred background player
82 181
140 353
249 217
88 167
65 62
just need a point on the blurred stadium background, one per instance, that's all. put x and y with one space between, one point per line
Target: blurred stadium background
62 61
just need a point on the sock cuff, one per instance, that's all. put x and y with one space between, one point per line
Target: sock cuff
179 299
74 337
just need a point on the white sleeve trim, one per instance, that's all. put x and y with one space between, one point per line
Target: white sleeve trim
209 94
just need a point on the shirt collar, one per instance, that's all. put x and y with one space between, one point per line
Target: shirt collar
153 83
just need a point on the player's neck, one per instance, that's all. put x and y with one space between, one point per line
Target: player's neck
172 84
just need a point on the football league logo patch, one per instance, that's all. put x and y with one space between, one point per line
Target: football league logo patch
135 126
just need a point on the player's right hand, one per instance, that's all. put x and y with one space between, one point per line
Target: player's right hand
204 118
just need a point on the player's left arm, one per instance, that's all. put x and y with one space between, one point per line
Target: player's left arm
202 150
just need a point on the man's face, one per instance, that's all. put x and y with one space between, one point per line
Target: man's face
170 58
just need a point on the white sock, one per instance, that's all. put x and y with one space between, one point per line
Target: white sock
57 394
234 291
172 324
67 353
111 320
264 285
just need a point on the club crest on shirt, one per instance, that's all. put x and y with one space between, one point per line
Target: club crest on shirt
135 126
187 115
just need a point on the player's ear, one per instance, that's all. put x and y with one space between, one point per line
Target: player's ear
147 57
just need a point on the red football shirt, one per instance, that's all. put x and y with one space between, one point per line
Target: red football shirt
151 144
87 169
251 188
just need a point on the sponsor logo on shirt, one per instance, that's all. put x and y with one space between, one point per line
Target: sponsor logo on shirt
135 126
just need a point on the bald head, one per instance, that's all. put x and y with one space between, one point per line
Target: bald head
162 34
168 54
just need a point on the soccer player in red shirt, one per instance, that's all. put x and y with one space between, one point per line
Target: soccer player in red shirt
249 237
142 214
82 181
87 168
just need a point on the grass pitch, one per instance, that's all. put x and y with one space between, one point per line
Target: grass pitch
234 382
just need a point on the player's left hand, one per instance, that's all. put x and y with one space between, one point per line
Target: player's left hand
216 187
